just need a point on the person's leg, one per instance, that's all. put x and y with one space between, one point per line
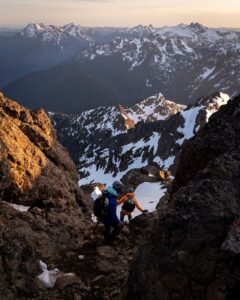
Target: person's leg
116 230
122 215
129 217
107 233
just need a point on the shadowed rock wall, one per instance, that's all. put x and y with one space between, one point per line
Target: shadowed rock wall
194 250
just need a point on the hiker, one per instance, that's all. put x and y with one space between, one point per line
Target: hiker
105 209
129 203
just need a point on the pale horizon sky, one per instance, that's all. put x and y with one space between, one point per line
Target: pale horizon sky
214 13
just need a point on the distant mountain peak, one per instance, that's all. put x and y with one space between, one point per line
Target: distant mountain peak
198 27
32 29
57 33
37 25
139 26
193 30
143 27
69 25
153 108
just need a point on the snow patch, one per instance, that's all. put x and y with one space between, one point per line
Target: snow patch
217 102
18 207
48 277
166 163
148 84
187 130
96 193
99 175
206 73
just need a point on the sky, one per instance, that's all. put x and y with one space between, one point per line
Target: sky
213 13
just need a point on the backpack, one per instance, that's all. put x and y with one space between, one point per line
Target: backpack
129 205
100 206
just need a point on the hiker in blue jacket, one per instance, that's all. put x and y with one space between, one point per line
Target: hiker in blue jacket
111 221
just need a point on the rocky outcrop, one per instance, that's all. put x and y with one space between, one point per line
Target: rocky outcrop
193 250
34 166
135 177
42 209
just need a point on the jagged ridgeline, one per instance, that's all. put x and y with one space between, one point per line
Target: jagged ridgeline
107 142
184 62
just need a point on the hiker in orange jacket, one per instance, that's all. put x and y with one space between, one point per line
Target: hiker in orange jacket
129 203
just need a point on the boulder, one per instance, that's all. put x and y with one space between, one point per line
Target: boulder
135 177
107 252
104 266
67 280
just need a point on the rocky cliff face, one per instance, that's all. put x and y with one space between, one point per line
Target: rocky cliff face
34 165
193 251
41 206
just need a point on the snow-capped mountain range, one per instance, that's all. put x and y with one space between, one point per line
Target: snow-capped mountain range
107 142
167 41
192 54
40 47
90 34
58 34
183 62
